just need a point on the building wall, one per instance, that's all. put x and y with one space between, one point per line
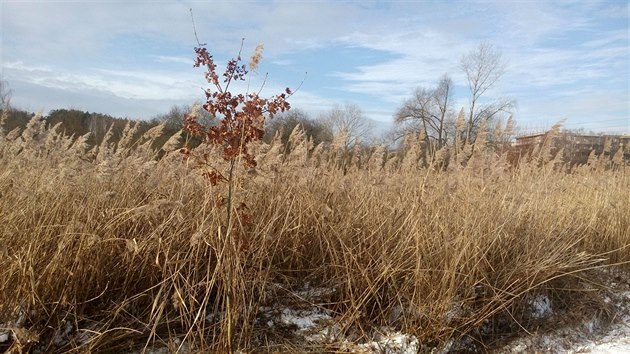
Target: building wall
577 148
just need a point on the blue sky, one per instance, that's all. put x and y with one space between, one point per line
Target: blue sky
566 59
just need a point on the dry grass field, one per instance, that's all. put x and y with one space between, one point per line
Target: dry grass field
110 248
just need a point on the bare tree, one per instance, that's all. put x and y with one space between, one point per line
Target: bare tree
350 119
428 111
5 95
415 111
442 97
287 121
483 66
174 119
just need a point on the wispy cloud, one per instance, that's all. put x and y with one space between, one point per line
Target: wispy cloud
173 59
127 84
283 62
561 54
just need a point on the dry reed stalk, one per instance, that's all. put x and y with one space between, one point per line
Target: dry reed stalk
412 146
136 258
375 162
173 143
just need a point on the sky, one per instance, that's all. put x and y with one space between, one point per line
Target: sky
566 60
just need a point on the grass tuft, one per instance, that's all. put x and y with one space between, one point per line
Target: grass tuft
115 249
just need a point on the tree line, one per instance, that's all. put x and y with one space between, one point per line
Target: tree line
77 123
429 112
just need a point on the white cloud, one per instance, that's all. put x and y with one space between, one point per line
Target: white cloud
128 50
173 59
139 84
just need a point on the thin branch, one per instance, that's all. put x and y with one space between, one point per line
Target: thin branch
299 86
263 84
192 18
238 59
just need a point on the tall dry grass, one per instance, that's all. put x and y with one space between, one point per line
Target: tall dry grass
109 248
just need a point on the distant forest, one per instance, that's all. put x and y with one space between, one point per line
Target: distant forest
77 123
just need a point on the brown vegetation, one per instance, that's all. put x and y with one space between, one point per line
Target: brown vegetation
110 248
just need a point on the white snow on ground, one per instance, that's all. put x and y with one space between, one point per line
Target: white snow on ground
303 318
541 307
317 325
391 342
620 345
584 339
617 338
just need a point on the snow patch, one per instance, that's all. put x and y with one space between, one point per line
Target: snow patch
303 318
541 307
391 342
585 338
62 337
